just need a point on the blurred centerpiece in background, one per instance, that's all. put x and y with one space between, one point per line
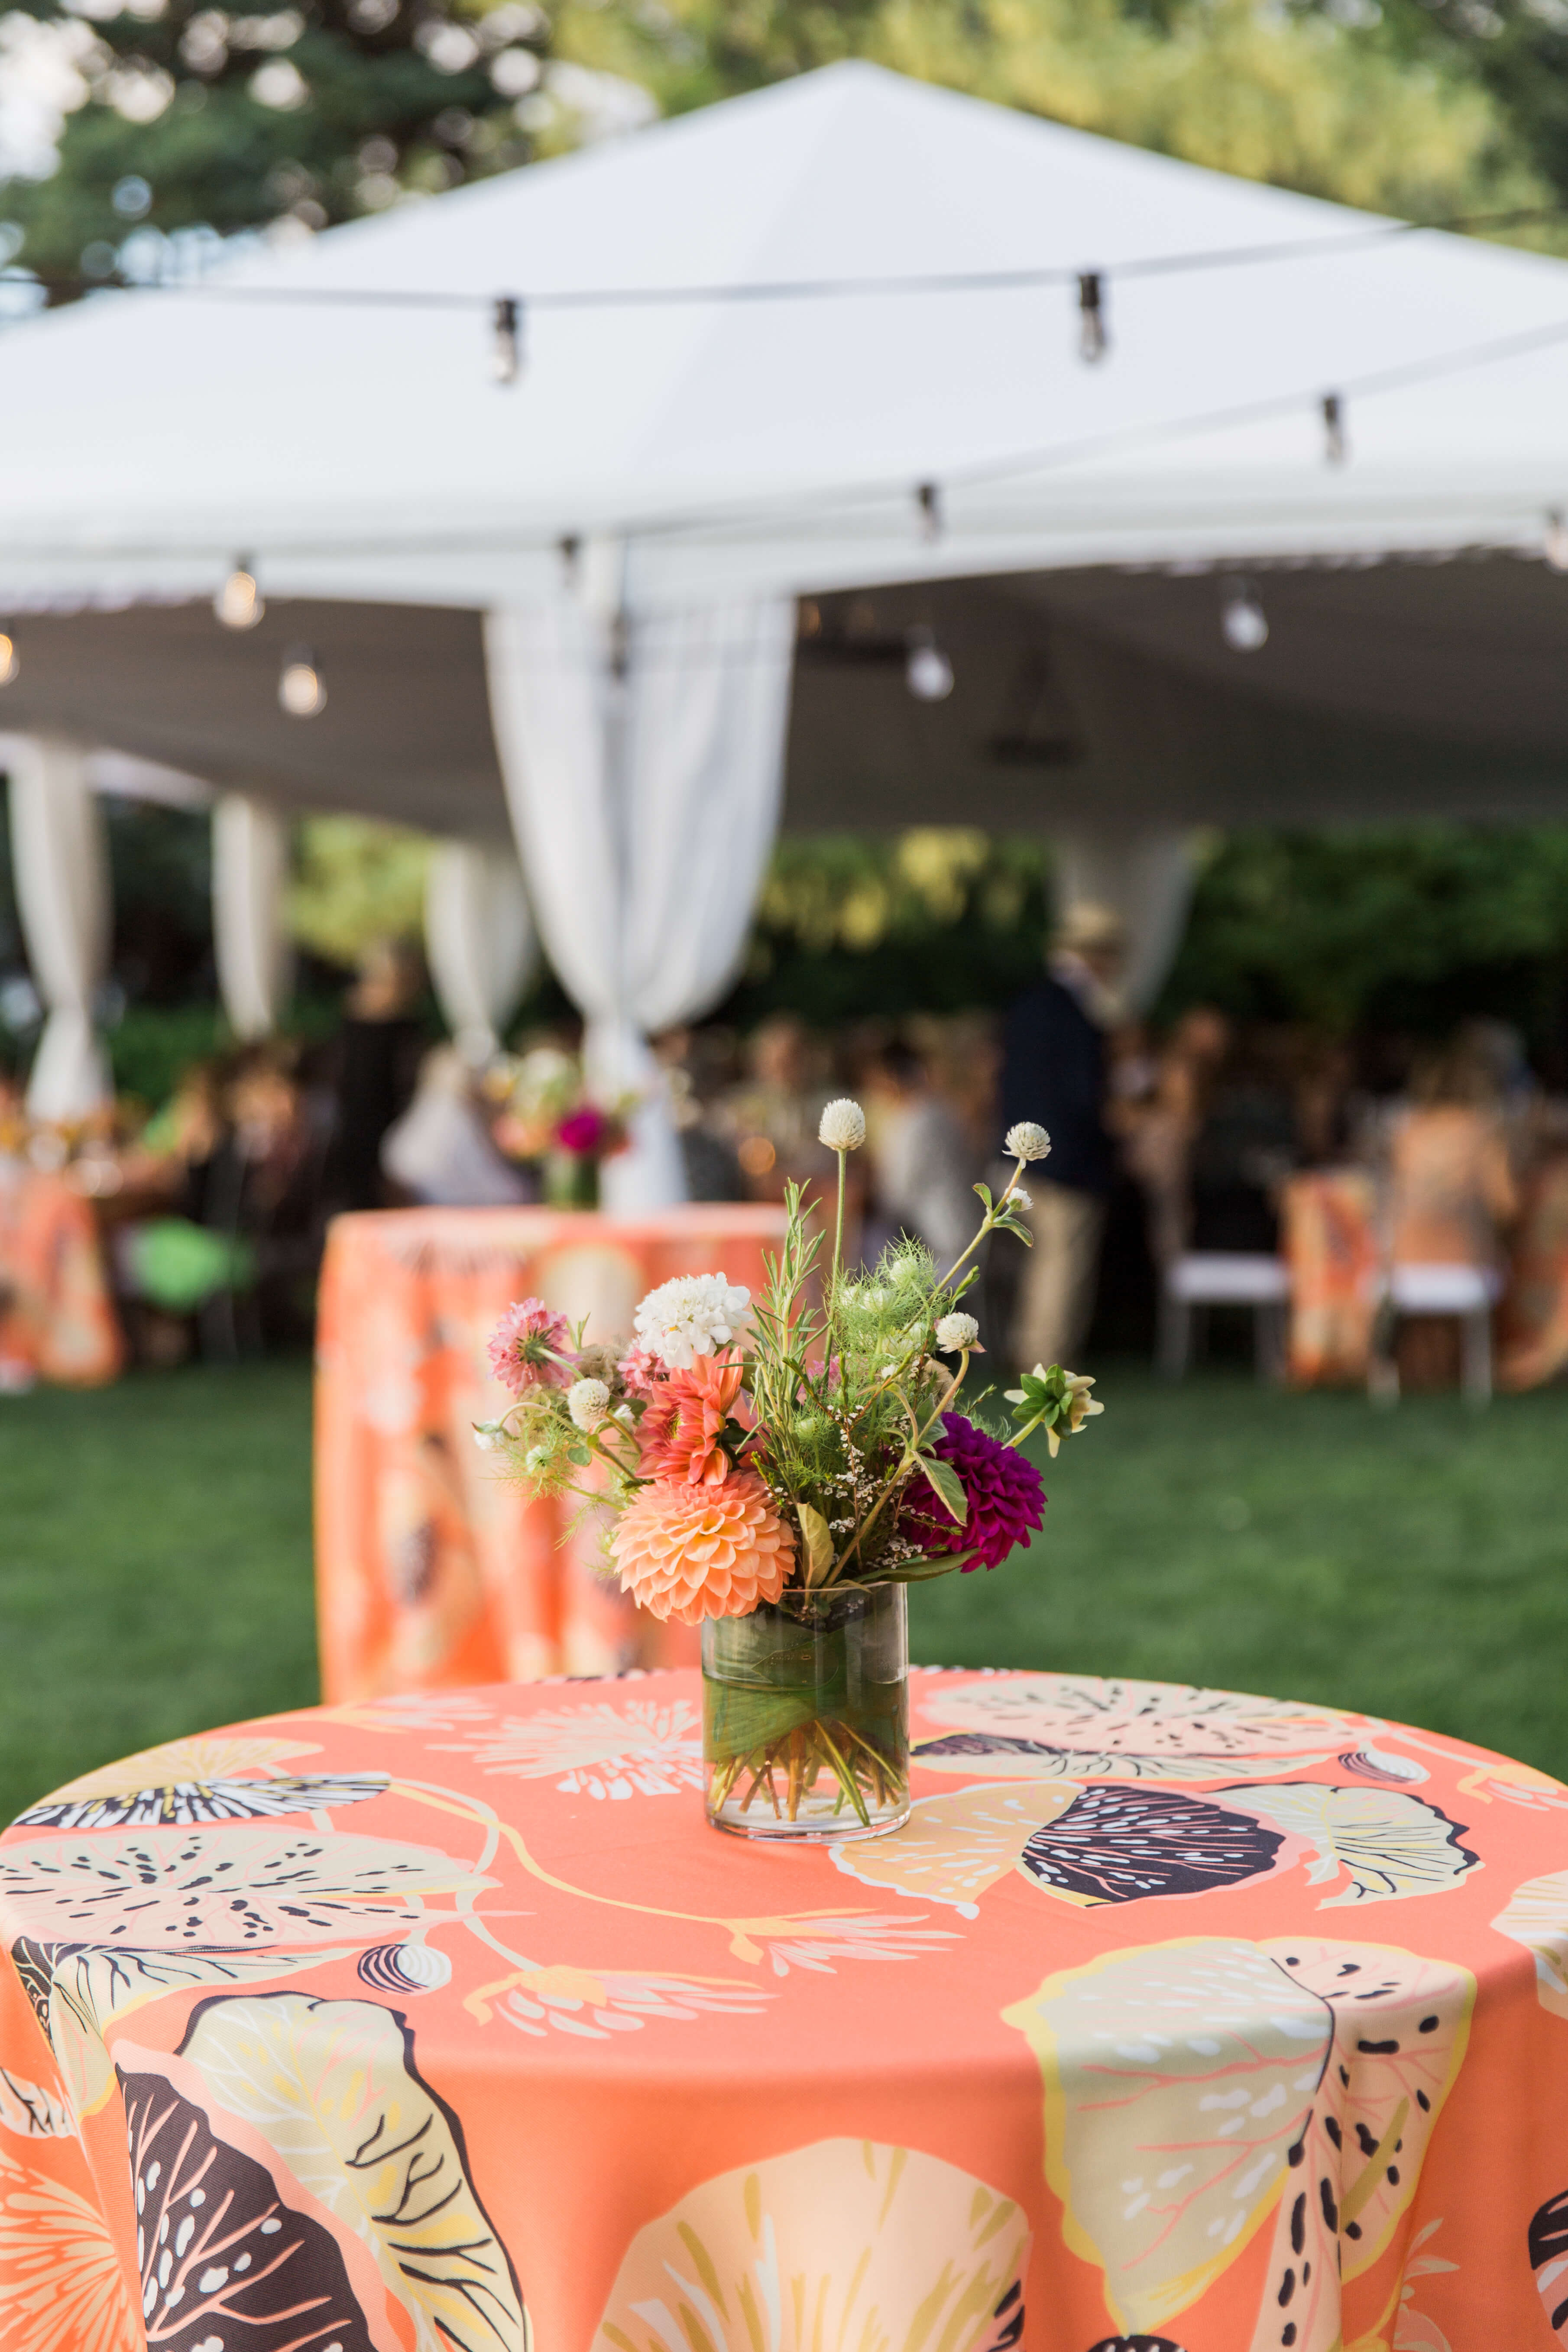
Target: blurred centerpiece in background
547 1121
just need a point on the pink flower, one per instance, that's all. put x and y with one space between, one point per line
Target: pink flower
642 1373
525 1347
1005 1492
584 1130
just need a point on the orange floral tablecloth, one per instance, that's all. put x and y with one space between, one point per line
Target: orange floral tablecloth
443 2023
57 1315
430 1569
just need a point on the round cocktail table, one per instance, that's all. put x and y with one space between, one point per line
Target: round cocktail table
1172 2018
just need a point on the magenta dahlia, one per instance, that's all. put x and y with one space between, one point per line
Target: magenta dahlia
1006 1497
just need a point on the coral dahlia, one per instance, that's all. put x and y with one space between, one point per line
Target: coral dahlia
690 1552
526 1346
1006 1499
683 1424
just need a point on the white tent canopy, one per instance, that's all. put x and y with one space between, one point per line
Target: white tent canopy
768 446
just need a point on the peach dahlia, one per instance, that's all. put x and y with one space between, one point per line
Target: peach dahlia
693 1551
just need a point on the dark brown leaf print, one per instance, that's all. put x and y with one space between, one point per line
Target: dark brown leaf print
1120 1844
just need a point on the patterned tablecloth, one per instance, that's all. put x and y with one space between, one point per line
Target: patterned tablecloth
445 2025
57 1315
431 1570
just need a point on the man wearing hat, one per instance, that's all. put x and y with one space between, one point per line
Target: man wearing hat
1053 1070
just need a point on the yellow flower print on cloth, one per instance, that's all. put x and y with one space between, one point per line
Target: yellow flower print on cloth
1196 2091
846 2242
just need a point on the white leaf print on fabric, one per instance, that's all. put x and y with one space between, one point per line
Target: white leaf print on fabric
61 2287
845 2244
635 1747
1388 1845
31 2112
1536 1915
1130 1730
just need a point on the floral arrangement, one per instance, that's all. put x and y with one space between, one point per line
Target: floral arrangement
545 1114
797 1451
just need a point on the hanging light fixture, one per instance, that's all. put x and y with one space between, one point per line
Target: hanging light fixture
928 673
506 339
1093 337
300 688
239 603
1336 447
927 500
1243 622
9 665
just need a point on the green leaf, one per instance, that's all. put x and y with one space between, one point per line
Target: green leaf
945 1481
984 1192
818 1543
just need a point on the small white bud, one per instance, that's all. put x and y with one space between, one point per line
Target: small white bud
956 1332
1027 1141
842 1127
486 1440
587 1402
1022 1199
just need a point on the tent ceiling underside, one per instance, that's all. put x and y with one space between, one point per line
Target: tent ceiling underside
1416 689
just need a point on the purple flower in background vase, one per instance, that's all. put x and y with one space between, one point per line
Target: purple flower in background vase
584 1130
1006 1499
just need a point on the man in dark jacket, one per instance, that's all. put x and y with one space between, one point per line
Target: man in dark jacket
1053 1071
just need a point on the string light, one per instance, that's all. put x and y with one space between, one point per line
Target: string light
9 665
239 603
300 688
928 499
1336 447
928 673
1093 342
506 339
1554 541
570 551
1242 621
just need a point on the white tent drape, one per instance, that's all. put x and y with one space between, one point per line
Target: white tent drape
1144 876
250 873
479 942
643 765
61 864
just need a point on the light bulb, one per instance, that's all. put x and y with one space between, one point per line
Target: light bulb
1093 341
239 603
506 339
1554 542
1336 446
300 688
9 665
928 673
1243 619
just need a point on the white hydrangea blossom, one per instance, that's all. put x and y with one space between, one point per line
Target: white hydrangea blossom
843 1125
1027 1141
956 1332
694 1314
587 1402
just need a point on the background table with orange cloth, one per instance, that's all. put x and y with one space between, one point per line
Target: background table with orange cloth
431 1569
446 2024
57 1314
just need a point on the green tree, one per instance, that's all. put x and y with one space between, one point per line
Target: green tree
192 120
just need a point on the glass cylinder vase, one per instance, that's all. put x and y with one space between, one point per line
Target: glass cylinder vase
571 1180
805 1716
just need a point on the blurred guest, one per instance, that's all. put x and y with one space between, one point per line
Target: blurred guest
440 1151
1244 1150
1451 1189
378 1050
1054 1071
772 1115
698 1070
923 1165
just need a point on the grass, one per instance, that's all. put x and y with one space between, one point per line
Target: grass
156 1560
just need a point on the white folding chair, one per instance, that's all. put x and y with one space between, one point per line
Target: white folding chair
1199 1279
1469 1291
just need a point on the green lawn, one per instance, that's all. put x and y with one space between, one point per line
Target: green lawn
156 1560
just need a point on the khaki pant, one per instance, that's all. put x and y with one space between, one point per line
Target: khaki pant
1056 1296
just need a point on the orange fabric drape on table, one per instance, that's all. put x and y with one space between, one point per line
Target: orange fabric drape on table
1534 1314
57 1315
431 1569
1329 1236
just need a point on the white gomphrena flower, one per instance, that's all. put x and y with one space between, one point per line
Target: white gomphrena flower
587 1402
694 1314
1027 1141
842 1127
956 1332
486 1440
1022 1199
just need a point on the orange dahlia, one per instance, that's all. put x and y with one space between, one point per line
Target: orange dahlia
684 1420
690 1552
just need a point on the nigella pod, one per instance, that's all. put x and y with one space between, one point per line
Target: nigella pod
404 1967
